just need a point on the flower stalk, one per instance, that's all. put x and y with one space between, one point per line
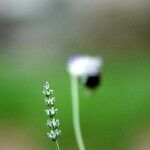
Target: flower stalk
76 113
51 112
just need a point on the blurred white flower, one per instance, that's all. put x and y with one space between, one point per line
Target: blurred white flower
84 65
87 69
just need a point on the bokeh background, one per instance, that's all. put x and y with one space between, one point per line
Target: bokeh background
36 39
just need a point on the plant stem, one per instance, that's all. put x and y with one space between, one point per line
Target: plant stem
57 145
75 112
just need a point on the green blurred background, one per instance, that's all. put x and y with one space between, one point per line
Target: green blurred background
36 40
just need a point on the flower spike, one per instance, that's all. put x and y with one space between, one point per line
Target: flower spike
51 112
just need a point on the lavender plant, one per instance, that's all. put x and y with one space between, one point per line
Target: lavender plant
87 70
51 112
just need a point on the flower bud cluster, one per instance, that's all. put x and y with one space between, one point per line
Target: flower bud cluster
51 112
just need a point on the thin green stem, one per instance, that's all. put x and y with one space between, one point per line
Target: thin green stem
75 112
57 145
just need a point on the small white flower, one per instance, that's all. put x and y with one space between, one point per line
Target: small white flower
51 112
84 65
54 123
51 135
54 134
50 101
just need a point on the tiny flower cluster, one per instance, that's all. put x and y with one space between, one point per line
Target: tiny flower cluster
51 112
